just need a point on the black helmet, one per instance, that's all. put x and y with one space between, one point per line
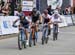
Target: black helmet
34 10
21 15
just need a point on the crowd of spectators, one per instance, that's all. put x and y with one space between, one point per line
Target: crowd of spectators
66 11
5 8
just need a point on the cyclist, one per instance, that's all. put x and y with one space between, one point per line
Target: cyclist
36 19
56 19
47 21
24 22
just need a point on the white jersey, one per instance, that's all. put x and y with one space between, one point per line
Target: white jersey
57 18
44 16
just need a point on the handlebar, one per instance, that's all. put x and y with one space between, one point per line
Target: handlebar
56 22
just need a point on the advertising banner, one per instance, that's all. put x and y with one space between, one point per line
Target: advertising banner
69 19
27 5
64 23
6 23
55 3
26 8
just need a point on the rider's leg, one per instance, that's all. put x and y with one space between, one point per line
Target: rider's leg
36 35
33 36
49 30
33 33
36 32
45 33
27 42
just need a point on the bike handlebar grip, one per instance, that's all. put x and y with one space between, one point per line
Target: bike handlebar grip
14 26
40 23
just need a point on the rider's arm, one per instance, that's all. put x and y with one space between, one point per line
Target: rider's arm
50 22
60 18
40 17
16 21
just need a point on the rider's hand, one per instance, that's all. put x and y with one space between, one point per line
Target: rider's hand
40 22
37 22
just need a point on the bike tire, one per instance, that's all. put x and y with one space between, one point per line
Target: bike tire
47 40
34 41
30 44
25 44
42 40
20 41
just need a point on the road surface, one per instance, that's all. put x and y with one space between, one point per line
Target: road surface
65 45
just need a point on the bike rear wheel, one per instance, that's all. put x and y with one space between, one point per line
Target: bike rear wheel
43 40
47 40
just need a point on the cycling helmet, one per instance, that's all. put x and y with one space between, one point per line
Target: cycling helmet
56 12
46 11
21 14
34 10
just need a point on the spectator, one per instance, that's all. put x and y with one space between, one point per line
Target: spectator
2 2
6 9
50 10
1 13
58 9
0 9
67 10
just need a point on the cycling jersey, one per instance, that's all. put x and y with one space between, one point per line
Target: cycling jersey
24 23
56 18
35 16
46 18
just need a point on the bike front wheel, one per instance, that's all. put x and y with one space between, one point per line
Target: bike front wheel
20 41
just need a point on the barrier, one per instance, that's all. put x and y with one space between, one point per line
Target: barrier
68 19
6 25
64 23
7 21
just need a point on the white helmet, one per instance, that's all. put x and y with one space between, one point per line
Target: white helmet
56 12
